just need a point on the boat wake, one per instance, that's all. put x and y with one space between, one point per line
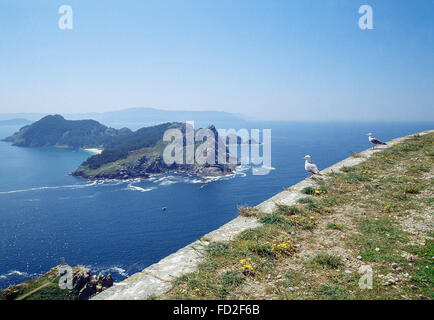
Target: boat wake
74 186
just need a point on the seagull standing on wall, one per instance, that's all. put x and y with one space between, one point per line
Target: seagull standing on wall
374 141
310 167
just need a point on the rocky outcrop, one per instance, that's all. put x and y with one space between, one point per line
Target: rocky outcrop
84 285
144 167
87 286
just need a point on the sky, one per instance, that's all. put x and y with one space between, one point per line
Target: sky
268 59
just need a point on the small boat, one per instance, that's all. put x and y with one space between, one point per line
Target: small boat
163 208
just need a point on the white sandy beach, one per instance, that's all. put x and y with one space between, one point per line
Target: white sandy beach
94 150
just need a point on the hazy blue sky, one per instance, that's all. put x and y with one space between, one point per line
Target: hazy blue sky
267 59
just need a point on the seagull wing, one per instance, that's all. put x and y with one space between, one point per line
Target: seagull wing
311 167
376 141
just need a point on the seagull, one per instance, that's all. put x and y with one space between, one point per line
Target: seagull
374 141
310 167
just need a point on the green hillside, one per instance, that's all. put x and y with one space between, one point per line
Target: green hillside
56 131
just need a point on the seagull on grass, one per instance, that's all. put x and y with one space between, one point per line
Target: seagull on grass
311 167
374 141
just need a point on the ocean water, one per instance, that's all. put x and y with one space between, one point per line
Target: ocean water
119 227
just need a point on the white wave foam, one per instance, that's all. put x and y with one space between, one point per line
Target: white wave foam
89 196
193 181
16 273
209 179
136 188
74 186
242 168
169 179
264 168
112 182
111 270
167 182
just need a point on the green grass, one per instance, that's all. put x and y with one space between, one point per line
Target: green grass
332 292
417 169
50 292
305 200
216 249
412 189
327 261
315 191
274 219
356 177
379 239
231 279
423 277
246 211
374 197
308 191
335 226
287 210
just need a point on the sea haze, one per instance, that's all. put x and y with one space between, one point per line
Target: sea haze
119 227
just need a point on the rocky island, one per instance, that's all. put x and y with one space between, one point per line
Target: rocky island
126 154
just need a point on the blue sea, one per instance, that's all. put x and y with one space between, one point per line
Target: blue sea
119 227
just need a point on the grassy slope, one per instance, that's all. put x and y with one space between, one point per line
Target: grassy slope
378 213
133 156
50 292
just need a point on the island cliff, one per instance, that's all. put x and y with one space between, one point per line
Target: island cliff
126 154
142 155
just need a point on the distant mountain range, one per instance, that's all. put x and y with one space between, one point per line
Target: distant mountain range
127 154
139 117
15 122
